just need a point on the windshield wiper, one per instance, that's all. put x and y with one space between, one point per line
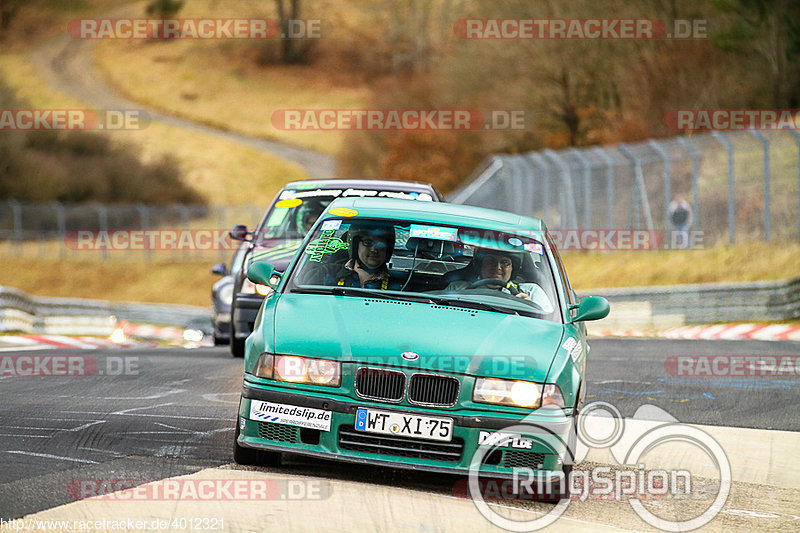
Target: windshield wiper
359 291
471 304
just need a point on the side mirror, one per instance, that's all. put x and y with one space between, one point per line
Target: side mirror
262 273
239 232
591 308
220 269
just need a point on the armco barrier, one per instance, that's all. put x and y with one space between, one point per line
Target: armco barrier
661 307
20 312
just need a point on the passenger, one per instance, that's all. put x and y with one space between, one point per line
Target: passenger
369 249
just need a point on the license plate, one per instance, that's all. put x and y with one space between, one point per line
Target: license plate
404 425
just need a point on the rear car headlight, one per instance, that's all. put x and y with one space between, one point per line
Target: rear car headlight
248 287
226 294
507 392
296 369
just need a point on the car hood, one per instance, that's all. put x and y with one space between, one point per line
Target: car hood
448 339
278 253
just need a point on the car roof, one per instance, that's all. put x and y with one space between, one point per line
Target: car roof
440 213
388 185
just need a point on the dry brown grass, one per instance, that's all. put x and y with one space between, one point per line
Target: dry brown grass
742 262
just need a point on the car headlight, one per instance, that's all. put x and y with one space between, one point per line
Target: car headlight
248 287
225 294
507 392
296 369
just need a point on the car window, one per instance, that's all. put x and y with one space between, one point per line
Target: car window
294 212
461 266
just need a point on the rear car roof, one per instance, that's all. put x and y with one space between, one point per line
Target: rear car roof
388 185
441 213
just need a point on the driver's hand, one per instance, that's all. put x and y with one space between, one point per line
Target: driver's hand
524 296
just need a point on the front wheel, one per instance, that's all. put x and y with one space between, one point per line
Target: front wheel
253 457
237 345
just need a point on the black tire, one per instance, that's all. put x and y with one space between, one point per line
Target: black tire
252 457
219 341
237 345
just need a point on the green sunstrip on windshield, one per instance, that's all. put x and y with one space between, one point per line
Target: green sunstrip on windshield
326 244
277 216
279 252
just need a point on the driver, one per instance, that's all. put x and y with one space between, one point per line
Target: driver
493 265
370 248
308 213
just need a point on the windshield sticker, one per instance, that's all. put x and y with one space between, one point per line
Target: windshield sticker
331 225
289 202
359 192
343 212
433 232
513 241
534 247
277 216
326 244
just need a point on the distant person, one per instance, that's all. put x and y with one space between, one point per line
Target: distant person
680 216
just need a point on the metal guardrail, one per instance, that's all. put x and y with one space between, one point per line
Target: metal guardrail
29 314
705 303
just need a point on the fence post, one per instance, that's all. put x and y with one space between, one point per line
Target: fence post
540 161
765 143
587 187
667 179
517 177
609 163
796 136
61 223
731 205
102 219
465 194
567 197
636 162
144 218
695 174
16 213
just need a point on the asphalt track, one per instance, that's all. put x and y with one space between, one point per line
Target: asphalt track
150 414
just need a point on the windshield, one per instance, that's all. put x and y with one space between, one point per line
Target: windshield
295 212
458 266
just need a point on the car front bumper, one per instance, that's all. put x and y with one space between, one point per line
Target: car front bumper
540 452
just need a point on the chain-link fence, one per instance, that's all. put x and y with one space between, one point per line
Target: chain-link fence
121 232
741 186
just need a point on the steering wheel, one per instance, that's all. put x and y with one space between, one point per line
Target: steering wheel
494 282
